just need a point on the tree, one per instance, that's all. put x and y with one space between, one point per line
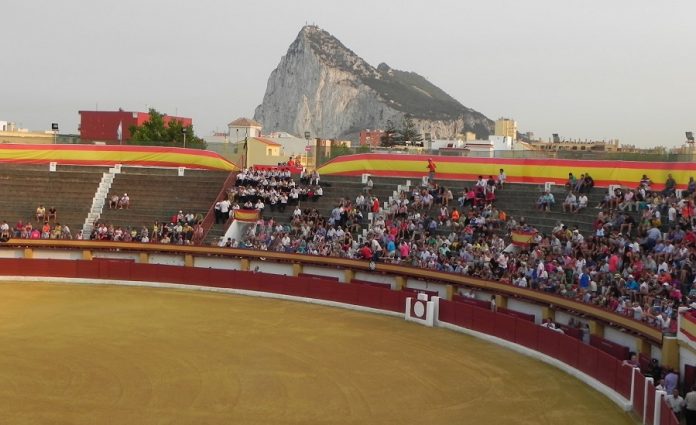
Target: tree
409 131
390 136
154 132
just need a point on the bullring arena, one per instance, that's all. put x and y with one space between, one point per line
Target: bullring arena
117 332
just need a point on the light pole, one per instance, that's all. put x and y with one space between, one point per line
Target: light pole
54 127
183 131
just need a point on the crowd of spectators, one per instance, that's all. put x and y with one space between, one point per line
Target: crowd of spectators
642 268
181 229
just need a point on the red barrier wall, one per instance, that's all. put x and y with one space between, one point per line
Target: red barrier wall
623 380
667 416
639 395
617 350
650 403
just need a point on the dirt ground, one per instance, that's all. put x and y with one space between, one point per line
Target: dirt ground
79 354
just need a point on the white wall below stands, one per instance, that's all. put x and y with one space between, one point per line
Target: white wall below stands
57 255
167 259
564 318
424 284
615 335
325 271
11 253
217 263
524 307
376 277
134 256
656 353
283 269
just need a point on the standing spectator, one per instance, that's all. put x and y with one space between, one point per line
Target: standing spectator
675 402
671 380
224 210
431 169
690 404
501 178
670 186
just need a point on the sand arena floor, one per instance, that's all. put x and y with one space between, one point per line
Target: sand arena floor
79 354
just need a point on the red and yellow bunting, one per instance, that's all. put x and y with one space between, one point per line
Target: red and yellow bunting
539 171
147 156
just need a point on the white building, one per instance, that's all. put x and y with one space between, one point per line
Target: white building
241 128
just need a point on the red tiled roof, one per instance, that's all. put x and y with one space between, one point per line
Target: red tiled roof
266 141
244 122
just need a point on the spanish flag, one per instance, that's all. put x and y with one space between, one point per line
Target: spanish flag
521 238
246 215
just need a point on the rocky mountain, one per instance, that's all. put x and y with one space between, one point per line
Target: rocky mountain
322 87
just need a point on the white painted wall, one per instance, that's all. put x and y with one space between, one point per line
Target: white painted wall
524 307
656 353
271 267
217 263
57 255
376 277
167 259
325 271
11 253
117 255
424 284
563 318
615 335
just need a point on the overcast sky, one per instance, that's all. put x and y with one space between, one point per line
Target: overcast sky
584 69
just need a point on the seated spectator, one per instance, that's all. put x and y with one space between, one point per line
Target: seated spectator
368 187
645 183
570 203
40 213
571 182
5 231
52 214
546 201
124 202
113 201
582 202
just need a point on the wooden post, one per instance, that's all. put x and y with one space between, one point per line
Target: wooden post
501 301
644 347
670 352
548 313
596 328
28 253
399 283
244 265
144 258
449 292
296 269
87 255
348 275
188 260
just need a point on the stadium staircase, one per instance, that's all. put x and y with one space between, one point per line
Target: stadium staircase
99 200
69 189
156 194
